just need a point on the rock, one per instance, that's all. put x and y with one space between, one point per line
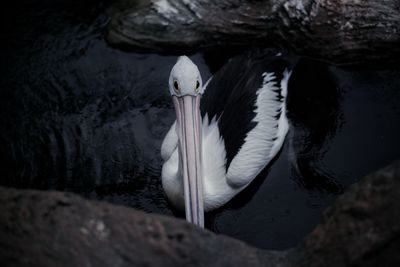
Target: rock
362 228
342 32
61 229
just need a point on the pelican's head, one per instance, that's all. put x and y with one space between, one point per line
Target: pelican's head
185 78
185 86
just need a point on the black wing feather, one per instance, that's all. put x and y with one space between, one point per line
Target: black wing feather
232 93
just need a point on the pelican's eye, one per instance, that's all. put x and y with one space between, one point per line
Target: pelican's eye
197 86
176 86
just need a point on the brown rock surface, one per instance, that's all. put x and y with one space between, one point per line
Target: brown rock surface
362 228
62 229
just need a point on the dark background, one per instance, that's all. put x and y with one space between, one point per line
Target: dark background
78 115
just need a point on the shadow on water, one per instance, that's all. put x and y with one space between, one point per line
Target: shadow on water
80 116
315 114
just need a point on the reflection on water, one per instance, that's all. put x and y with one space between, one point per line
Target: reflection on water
80 116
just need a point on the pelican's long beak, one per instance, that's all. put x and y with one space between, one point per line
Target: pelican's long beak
189 133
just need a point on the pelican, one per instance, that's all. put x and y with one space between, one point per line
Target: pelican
225 132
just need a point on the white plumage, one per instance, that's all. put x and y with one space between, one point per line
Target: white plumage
261 144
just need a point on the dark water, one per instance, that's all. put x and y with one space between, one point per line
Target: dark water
80 116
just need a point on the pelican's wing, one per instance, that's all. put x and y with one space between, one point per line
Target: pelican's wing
247 98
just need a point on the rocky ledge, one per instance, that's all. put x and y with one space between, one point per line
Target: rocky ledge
61 229
341 32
